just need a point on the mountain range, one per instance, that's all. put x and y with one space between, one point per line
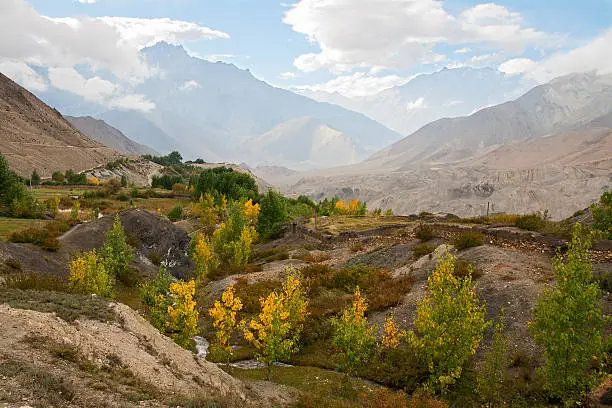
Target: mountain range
550 149
427 97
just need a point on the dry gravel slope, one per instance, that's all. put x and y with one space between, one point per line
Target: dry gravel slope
35 136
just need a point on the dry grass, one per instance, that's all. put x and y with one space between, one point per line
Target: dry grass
337 224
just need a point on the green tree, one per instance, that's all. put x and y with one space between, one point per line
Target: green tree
602 214
273 214
449 325
154 296
13 194
58 176
353 338
232 241
35 178
490 379
569 324
124 180
116 252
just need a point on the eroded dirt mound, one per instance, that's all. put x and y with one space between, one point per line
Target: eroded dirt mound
48 361
152 236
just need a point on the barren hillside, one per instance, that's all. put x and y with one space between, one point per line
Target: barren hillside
35 136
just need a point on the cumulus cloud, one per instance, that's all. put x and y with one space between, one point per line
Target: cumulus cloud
86 1
189 85
142 32
132 102
93 89
23 75
357 84
418 104
593 56
399 33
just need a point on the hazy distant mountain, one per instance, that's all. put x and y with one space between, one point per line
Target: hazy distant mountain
138 128
563 104
212 108
305 143
109 136
428 97
33 136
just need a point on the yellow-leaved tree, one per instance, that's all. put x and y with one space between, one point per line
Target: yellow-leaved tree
276 331
204 256
251 212
207 213
88 275
224 320
353 338
182 323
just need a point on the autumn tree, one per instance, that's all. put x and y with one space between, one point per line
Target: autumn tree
224 319
392 335
207 213
353 338
116 252
569 324
170 307
203 256
276 331
89 275
74 211
251 212
182 324
449 325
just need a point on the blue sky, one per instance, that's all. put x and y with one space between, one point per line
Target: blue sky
353 47
261 41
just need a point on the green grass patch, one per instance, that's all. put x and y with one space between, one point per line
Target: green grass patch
11 225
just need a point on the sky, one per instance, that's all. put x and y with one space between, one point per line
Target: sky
354 47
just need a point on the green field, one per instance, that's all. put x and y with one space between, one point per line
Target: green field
9 225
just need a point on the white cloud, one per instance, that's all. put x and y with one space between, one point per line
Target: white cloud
132 102
189 85
463 50
93 89
357 84
418 104
141 32
593 56
287 75
23 75
517 66
86 1
400 33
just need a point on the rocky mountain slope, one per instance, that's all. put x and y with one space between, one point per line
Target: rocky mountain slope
444 94
565 103
109 136
35 136
551 149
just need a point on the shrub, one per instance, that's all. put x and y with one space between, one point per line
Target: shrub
463 269
422 250
232 241
491 375
468 239
530 222
602 214
179 187
356 246
123 197
58 176
51 244
29 235
569 324
272 216
176 213
35 281
424 232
